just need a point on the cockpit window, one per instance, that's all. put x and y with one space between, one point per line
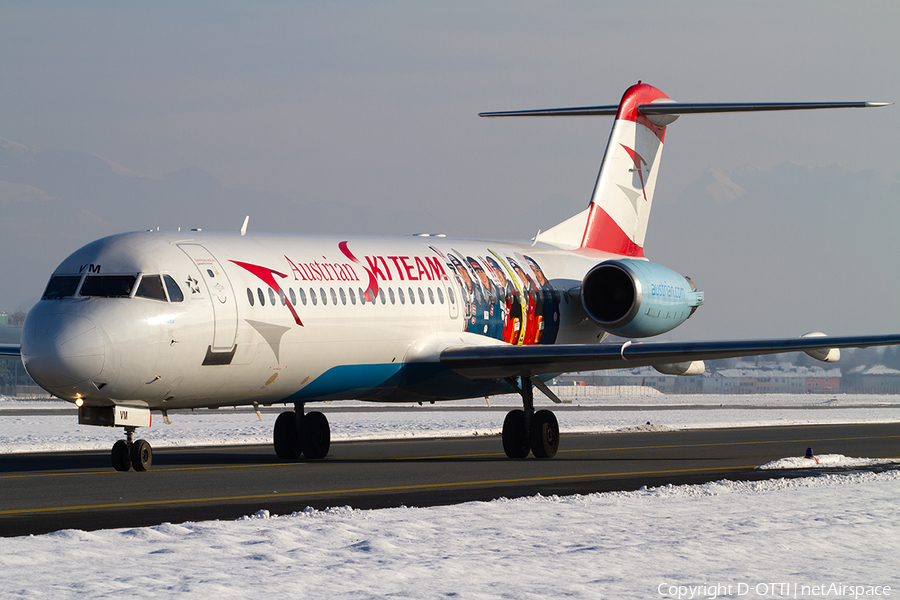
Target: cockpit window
62 286
175 294
151 287
108 286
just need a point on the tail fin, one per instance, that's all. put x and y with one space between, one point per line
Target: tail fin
623 195
616 220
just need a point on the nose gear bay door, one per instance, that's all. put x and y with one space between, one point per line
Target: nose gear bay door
221 295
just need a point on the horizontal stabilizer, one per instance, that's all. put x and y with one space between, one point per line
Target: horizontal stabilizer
681 108
529 361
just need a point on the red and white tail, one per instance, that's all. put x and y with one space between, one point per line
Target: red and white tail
616 220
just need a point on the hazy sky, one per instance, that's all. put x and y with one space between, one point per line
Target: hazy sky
375 103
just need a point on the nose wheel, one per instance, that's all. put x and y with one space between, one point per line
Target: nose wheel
127 453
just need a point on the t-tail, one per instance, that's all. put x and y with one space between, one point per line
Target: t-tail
616 219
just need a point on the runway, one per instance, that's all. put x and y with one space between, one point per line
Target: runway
53 491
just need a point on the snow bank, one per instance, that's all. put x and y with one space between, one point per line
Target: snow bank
829 461
651 543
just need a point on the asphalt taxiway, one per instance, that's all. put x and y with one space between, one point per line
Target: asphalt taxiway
46 492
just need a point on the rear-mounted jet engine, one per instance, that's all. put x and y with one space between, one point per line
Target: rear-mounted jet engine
638 298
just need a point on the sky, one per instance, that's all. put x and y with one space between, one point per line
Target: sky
373 107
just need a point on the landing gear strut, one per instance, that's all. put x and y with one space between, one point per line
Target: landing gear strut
526 430
297 433
127 453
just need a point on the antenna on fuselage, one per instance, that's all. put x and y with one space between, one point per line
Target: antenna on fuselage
244 226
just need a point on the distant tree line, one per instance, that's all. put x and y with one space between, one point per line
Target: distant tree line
17 318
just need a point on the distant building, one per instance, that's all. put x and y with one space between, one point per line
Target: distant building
872 380
768 378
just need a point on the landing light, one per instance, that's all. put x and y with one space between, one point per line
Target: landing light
79 402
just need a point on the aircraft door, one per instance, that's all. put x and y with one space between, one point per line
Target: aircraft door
221 295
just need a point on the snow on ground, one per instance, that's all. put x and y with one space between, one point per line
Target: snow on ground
832 536
825 536
827 461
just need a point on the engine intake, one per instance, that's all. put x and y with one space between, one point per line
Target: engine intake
636 298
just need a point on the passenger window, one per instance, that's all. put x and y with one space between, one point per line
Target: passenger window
430 295
333 296
282 296
262 298
412 296
422 296
352 296
450 296
312 296
272 296
151 287
62 286
391 292
383 300
402 295
175 294
440 295
343 297
302 295
293 297
250 296
108 286
324 297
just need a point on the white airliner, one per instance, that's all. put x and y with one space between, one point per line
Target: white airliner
157 321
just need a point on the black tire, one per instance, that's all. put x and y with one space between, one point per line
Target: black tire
121 456
141 455
544 434
287 442
515 440
315 435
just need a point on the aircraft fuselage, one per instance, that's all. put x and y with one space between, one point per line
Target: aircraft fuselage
277 318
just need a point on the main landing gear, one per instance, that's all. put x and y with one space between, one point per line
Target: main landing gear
526 430
297 433
127 453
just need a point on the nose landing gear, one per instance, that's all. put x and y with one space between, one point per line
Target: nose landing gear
127 453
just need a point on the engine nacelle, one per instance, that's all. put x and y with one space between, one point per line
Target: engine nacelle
823 354
637 298
694 367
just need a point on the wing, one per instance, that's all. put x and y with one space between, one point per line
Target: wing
490 362
10 350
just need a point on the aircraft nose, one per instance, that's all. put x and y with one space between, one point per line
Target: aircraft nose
62 350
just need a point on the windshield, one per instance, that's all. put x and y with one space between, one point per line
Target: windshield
151 287
62 286
108 286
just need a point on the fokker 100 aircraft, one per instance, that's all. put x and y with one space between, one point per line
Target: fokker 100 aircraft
158 321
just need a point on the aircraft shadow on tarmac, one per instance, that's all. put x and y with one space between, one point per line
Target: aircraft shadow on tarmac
261 456
164 457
